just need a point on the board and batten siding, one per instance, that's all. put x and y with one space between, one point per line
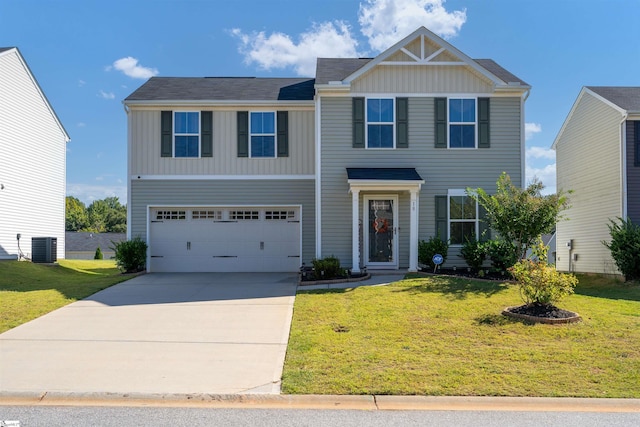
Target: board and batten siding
588 161
226 193
633 175
32 163
413 79
442 169
145 158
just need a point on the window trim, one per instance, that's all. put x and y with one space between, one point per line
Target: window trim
274 134
174 134
476 220
392 123
450 123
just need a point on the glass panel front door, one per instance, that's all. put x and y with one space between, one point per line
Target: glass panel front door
381 232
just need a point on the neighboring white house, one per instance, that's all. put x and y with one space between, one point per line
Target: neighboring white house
598 157
32 161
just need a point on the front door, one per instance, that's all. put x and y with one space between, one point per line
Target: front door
380 237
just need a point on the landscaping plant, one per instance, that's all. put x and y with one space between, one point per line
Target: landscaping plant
625 247
474 252
131 255
327 268
427 249
503 254
539 282
98 254
520 215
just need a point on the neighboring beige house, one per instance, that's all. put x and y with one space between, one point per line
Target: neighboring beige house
32 161
360 162
598 157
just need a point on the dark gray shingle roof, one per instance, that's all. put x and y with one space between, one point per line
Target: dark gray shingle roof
385 174
2 49
495 69
336 69
89 242
627 98
224 89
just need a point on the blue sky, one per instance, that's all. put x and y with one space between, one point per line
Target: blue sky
89 55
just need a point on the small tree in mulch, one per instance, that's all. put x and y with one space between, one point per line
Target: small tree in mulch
98 254
541 285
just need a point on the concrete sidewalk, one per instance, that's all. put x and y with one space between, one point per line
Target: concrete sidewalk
158 333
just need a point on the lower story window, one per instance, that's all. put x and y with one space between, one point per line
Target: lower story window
463 218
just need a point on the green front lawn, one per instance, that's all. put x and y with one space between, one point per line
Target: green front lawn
445 336
28 290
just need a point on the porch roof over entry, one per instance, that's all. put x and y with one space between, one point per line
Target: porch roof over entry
390 178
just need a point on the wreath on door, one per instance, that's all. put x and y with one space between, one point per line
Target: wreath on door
380 225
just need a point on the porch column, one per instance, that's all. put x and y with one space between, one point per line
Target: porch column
413 231
355 230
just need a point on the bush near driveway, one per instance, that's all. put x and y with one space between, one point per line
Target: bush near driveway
28 290
445 336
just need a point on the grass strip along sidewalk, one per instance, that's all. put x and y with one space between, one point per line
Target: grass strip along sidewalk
28 290
446 336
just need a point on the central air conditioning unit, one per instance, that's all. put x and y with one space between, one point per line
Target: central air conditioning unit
44 249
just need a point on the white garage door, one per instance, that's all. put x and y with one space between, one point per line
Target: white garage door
214 239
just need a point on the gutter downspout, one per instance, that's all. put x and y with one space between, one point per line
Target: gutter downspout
127 111
523 148
623 164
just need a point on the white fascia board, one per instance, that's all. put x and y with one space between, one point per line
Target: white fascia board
422 31
374 184
583 91
213 103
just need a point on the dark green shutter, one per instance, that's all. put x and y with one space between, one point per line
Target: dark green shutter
358 122
442 218
485 232
166 132
441 122
484 134
243 134
283 133
402 123
206 134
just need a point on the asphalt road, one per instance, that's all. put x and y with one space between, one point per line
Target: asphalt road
31 416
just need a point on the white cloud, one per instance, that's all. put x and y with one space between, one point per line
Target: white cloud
88 193
531 129
278 50
81 83
385 22
129 66
106 95
81 124
546 174
540 153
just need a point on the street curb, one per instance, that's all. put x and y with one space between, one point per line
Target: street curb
335 402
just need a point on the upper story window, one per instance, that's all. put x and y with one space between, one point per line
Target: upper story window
462 123
463 218
380 123
263 134
186 133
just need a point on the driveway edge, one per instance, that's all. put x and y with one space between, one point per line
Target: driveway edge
363 402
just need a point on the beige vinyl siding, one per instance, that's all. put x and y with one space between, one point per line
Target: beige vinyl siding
588 162
32 163
442 169
146 159
421 79
226 193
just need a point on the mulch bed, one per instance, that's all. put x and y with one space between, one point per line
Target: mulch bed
542 313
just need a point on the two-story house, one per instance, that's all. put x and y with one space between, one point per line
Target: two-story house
33 148
598 158
360 162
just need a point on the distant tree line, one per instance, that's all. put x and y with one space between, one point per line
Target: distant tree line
101 216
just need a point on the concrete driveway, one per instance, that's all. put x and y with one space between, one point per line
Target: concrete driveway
216 333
